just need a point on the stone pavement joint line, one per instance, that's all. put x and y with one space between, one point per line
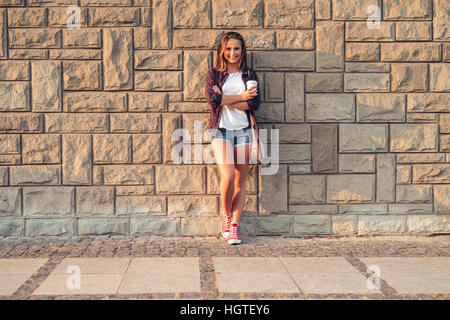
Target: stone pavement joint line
412 267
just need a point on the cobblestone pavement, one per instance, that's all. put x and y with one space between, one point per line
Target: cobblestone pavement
205 248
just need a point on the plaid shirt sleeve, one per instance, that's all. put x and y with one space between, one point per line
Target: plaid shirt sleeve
256 101
213 98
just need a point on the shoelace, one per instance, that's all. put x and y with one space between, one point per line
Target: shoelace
234 232
226 223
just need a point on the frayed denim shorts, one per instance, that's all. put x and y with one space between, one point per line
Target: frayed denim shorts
237 138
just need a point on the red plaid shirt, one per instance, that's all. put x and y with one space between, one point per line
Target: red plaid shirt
214 99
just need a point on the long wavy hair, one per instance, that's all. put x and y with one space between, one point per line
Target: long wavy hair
221 63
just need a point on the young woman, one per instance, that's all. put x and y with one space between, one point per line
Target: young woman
232 106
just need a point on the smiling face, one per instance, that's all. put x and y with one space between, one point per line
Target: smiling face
233 51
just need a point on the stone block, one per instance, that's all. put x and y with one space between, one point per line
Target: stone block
166 227
366 82
80 38
117 59
50 227
35 175
330 107
381 225
441 198
273 192
46 84
76 162
284 60
350 188
324 82
431 173
139 174
158 60
410 51
324 148
274 225
14 96
414 137
295 92
428 102
141 205
409 77
12 227
189 179
380 107
10 201
82 75
200 226
194 63
112 148
104 226
422 224
146 148
330 46
115 16
413 193
439 75
95 102
289 14
135 123
75 123
441 24
360 31
385 177
158 80
42 148
237 13
344 225
306 189
273 90
180 206
407 10
356 163
363 138
191 14
93 201
295 39
412 31
362 51
314 224
352 10
48 201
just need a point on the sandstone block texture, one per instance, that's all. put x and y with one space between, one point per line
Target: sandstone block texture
355 115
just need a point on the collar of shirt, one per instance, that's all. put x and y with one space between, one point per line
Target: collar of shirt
224 75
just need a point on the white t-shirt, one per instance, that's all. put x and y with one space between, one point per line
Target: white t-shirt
232 118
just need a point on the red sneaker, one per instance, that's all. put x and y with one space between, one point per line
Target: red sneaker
226 223
234 234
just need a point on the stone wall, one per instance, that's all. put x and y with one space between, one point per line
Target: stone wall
86 116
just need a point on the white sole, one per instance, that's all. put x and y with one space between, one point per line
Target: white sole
234 241
225 234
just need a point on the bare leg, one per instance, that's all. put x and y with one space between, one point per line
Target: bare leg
223 153
241 172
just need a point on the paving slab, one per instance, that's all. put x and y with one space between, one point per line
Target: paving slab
162 274
413 275
93 265
324 275
59 284
252 274
15 272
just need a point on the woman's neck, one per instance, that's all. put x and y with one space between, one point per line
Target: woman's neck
232 68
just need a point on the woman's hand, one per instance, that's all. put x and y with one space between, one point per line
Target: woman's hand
217 90
249 94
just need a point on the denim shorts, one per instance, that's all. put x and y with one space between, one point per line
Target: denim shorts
237 138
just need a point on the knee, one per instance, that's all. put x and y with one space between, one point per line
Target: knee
228 178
